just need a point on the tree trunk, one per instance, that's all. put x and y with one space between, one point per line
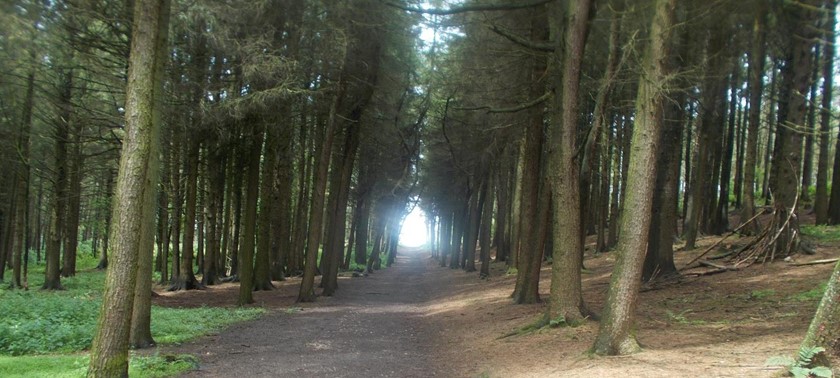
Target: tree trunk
186 278
787 153
486 228
824 330
710 118
249 228
755 87
316 212
52 279
821 200
614 334
566 304
133 205
262 264
20 200
525 291
810 128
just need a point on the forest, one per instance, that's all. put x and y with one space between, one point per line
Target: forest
598 168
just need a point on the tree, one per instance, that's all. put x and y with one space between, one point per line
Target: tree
137 177
614 334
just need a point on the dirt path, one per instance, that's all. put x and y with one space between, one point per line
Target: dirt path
417 319
373 327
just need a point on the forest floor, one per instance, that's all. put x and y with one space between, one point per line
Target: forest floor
418 319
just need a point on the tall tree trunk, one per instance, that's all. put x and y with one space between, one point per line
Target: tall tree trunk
710 118
316 212
810 128
787 153
755 87
821 201
74 201
262 264
186 278
52 278
486 228
140 335
249 229
530 251
20 200
570 28
614 334
133 205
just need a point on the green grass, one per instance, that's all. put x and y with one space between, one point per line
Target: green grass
814 294
43 332
75 365
822 233
761 294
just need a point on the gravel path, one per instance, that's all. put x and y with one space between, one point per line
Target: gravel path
372 327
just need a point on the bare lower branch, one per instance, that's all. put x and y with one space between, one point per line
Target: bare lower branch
472 8
522 41
527 105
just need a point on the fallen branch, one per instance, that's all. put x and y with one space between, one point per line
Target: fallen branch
817 262
718 266
733 232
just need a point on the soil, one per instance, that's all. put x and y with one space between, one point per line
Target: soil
418 319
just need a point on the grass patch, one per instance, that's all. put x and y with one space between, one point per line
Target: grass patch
40 322
761 294
814 294
681 318
176 325
822 232
75 366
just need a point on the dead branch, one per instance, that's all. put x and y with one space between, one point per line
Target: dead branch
733 232
816 262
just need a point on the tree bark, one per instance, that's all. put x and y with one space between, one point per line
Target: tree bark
614 335
755 87
821 204
133 205
787 153
566 304
249 227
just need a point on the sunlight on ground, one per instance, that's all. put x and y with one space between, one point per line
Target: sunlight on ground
414 232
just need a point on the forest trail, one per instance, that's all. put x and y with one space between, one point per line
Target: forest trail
416 319
372 327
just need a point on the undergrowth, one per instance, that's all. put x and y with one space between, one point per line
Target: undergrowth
75 366
38 322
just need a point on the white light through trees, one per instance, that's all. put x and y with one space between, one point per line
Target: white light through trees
414 231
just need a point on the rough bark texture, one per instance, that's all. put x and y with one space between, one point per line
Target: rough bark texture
614 334
825 327
821 197
529 249
109 353
755 86
249 227
571 26
787 153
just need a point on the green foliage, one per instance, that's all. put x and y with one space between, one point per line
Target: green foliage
176 325
801 367
72 366
559 321
36 322
822 232
814 294
761 294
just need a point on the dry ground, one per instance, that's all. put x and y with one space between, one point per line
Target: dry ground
417 319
